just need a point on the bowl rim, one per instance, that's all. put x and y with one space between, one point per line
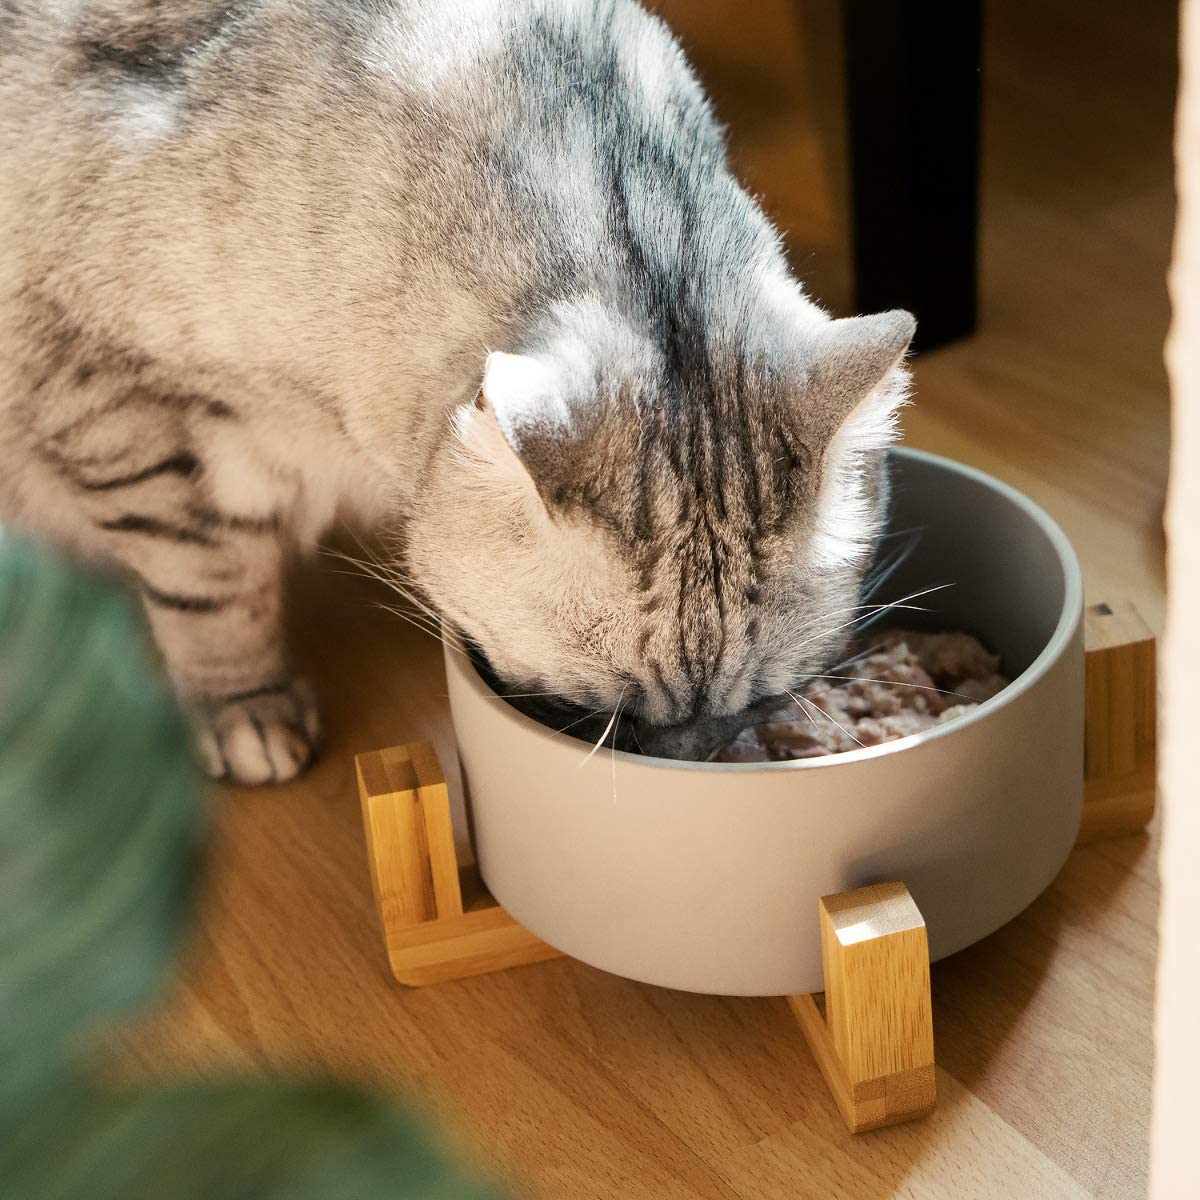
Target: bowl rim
1064 630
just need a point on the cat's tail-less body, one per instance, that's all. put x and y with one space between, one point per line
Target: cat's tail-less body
255 257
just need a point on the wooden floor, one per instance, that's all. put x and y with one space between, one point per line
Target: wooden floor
580 1084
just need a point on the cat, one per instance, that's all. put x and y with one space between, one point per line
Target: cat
476 274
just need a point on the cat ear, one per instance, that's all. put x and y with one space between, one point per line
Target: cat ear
519 424
526 396
852 361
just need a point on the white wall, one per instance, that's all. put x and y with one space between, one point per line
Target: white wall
1175 1165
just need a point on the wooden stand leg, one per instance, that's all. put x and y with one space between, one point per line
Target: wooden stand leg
1120 765
874 1043
431 936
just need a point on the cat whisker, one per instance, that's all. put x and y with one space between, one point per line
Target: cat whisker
413 618
524 696
856 656
612 721
937 587
425 617
389 575
579 720
895 604
827 716
435 632
796 701
873 611
924 687
885 569
869 613
587 716
614 750
444 634
369 564
417 624
895 533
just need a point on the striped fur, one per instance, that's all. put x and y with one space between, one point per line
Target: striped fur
476 273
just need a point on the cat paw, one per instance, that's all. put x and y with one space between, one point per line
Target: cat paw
266 735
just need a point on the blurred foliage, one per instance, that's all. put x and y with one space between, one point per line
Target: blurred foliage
99 822
249 1141
101 833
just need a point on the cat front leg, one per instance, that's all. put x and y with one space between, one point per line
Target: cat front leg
220 633
267 735
173 487
213 591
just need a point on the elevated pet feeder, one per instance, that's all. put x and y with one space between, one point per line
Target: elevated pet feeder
845 874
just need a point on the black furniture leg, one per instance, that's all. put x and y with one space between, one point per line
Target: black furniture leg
912 70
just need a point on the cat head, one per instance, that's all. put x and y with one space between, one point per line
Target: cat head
678 538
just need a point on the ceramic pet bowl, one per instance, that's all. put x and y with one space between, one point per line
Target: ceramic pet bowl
705 876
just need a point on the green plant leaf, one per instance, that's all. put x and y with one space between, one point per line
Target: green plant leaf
100 829
228 1142
100 837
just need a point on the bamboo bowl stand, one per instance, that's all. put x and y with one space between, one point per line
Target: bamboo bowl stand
872 1035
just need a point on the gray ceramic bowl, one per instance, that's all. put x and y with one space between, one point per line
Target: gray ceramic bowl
705 876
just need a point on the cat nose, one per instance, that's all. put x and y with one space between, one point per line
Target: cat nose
694 740
672 741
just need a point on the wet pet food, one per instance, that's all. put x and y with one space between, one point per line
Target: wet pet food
905 683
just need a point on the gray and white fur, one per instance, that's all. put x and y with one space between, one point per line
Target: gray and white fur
476 272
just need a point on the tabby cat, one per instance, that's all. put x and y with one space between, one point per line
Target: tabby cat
476 273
